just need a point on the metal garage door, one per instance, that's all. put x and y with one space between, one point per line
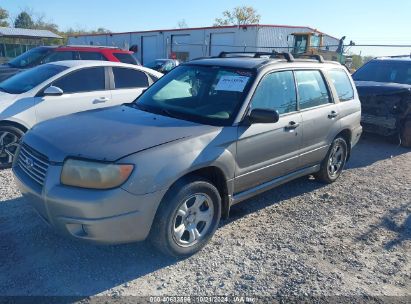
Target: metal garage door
149 49
220 42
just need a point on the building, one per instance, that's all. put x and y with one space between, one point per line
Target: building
190 43
15 41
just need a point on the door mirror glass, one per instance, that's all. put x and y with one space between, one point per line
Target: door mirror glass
53 91
263 116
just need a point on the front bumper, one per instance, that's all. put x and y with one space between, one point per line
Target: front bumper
101 216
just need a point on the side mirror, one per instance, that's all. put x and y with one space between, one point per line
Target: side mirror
53 91
263 116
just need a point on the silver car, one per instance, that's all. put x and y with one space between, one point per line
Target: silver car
208 135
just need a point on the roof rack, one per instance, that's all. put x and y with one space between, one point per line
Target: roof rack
92 46
319 58
287 56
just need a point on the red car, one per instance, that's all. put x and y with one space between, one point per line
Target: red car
45 54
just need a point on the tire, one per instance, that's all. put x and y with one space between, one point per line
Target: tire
405 134
9 141
334 162
177 228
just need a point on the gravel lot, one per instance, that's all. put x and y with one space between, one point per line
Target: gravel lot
304 238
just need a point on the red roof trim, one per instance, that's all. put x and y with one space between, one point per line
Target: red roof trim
203 28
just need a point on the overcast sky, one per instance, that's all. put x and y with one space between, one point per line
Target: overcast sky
363 21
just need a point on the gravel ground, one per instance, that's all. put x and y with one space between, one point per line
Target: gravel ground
305 238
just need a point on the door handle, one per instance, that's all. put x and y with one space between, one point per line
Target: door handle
292 125
332 115
100 100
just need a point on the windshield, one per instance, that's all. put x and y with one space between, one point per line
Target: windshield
385 71
156 64
209 95
29 58
26 80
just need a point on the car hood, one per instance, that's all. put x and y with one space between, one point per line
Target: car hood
369 88
7 71
108 134
6 99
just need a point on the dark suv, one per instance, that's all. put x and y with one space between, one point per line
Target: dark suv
384 86
209 134
45 54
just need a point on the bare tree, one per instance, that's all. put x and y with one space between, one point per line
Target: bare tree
182 24
240 15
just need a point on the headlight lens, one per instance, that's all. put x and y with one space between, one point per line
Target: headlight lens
94 175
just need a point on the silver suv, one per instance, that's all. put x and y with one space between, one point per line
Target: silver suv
211 133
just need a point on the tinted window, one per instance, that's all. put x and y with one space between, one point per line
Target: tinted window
385 71
59 56
125 58
91 56
342 84
312 90
129 78
85 80
29 58
27 80
277 92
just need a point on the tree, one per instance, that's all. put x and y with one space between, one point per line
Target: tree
3 17
24 20
182 24
240 15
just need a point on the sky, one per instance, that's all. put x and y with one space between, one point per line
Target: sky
362 21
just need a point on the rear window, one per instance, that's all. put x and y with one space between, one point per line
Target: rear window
312 90
342 84
129 78
385 71
125 58
91 56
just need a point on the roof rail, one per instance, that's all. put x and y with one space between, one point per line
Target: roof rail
317 57
287 56
92 46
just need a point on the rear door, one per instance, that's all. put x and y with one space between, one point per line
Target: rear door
319 112
127 84
268 151
83 89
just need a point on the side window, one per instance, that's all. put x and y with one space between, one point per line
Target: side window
59 56
277 92
85 80
342 84
125 58
312 90
129 78
91 56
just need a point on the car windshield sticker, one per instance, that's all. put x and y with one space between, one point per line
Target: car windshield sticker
232 83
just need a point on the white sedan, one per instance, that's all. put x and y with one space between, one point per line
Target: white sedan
61 88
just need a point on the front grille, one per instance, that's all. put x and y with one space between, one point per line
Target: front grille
33 163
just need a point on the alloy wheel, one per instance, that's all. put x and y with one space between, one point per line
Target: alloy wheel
193 219
9 143
336 159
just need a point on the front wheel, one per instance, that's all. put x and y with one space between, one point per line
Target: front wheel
334 162
406 134
187 218
9 142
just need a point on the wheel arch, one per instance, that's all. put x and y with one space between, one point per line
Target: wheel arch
217 177
347 135
14 124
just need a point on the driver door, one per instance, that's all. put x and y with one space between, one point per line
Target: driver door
83 90
268 151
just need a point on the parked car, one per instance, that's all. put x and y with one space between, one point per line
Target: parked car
46 54
163 65
384 86
61 88
209 134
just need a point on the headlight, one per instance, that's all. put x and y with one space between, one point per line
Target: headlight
95 175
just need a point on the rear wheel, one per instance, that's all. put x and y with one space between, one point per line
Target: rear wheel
9 141
187 218
406 134
334 162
